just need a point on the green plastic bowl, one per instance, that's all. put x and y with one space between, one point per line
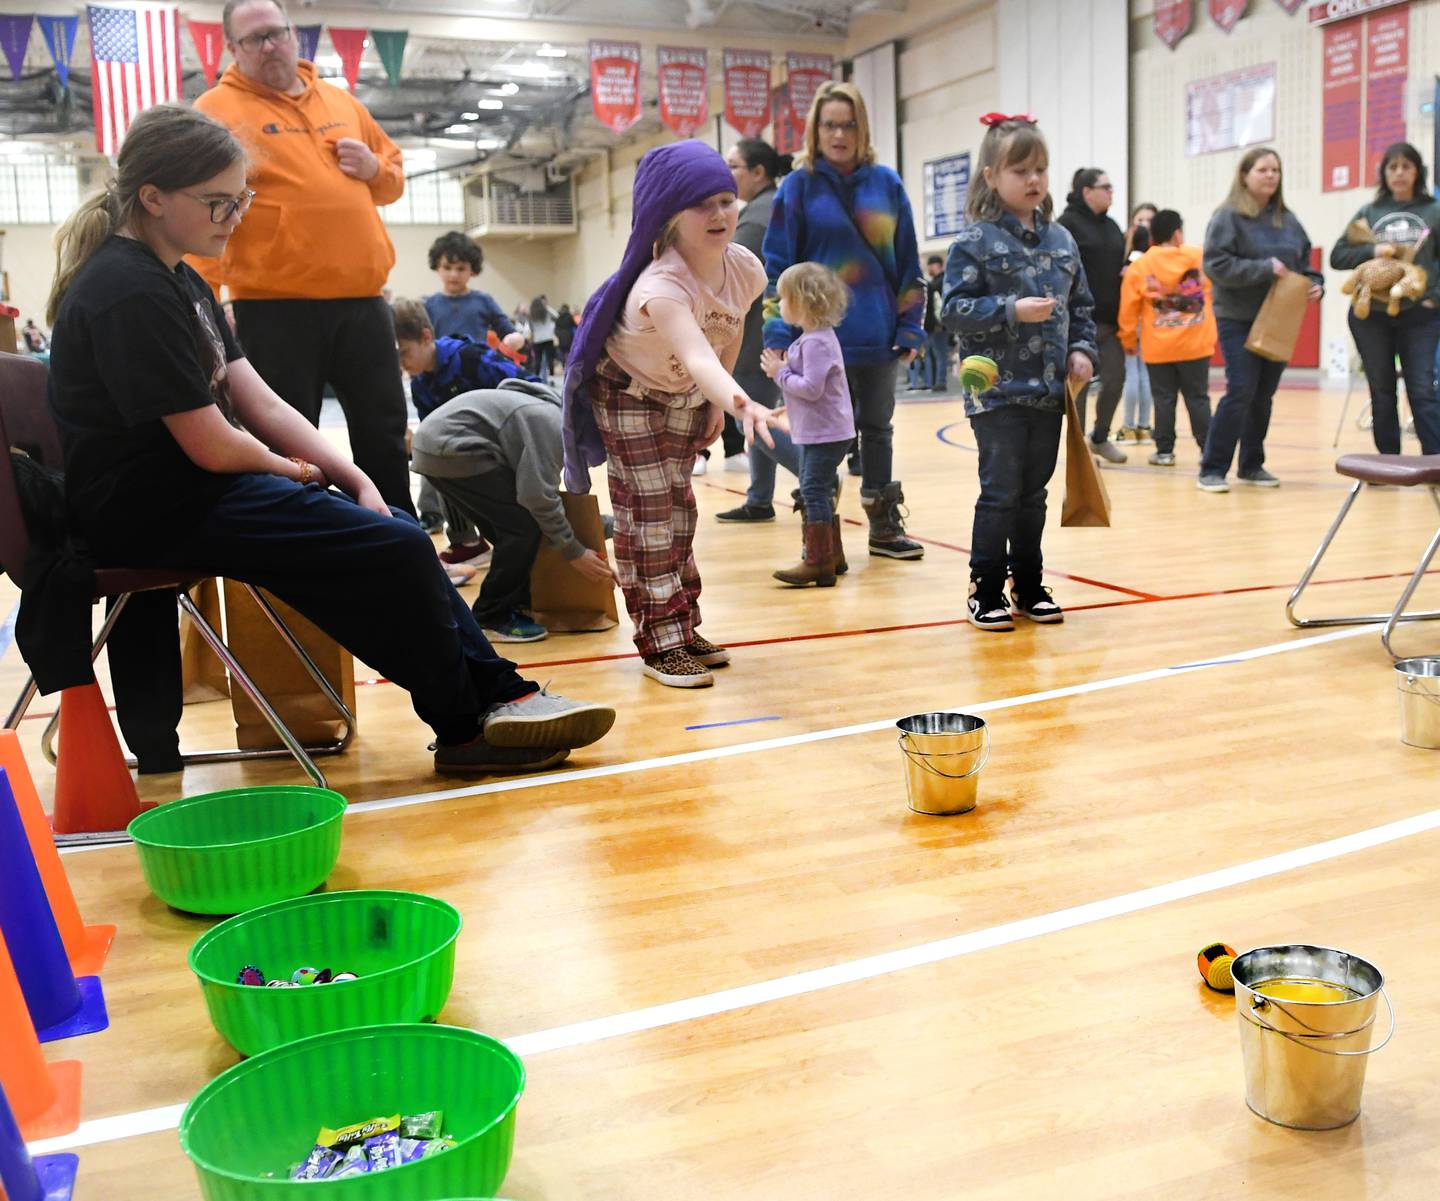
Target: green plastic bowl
226 852
400 944
248 1127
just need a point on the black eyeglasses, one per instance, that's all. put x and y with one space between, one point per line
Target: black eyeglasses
254 41
839 126
222 210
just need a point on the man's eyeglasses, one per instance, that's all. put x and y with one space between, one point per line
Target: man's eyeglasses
839 126
222 210
255 41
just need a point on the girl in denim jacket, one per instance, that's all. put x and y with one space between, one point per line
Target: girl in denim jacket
1015 292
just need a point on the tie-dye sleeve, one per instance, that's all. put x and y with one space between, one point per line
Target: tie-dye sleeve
967 306
782 243
910 304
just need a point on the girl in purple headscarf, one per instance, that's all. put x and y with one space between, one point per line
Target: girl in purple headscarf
648 384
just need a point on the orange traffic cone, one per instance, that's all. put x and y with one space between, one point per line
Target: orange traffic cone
85 946
93 788
45 1096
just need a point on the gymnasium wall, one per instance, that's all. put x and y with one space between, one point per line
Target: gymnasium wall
1162 171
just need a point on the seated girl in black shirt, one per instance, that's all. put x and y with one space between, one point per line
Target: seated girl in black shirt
177 455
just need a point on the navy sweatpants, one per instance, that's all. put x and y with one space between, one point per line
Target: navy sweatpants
372 583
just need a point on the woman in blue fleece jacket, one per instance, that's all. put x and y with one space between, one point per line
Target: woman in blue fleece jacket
842 209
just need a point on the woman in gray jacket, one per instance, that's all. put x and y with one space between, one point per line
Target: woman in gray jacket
1252 240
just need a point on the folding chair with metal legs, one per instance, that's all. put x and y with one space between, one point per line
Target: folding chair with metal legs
1402 471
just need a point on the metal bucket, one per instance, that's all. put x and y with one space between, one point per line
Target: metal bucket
1419 684
944 755
1305 1060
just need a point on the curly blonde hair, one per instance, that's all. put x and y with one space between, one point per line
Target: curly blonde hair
816 291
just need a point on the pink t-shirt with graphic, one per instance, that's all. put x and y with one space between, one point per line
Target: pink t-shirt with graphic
638 350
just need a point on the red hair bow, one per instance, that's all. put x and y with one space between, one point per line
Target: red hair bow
997 118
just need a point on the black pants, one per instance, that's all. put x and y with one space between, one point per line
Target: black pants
1190 379
372 583
1412 336
489 501
1019 446
299 346
1112 382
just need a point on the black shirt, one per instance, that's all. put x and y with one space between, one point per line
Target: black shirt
1102 253
134 342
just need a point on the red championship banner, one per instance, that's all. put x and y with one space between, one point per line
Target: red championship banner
747 90
804 73
1289 5
615 83
684 88
785 135
1343 63
1227 13
1173 20
1387 75
1342 10
209 39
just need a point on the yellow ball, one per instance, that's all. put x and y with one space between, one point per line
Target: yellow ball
1214 963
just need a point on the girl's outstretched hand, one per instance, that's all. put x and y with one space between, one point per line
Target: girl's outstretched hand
756 420
1081 369
771 360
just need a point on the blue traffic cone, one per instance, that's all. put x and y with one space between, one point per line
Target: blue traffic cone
48 1178
60 1006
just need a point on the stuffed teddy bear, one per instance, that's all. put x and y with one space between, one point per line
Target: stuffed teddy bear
1391 280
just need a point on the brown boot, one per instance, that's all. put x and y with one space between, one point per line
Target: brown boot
818 565
841 567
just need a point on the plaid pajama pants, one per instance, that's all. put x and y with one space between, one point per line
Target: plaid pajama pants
651 441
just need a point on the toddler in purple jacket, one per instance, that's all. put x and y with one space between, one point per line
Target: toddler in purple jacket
811 376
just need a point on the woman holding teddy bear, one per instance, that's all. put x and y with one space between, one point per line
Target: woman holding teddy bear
1402 223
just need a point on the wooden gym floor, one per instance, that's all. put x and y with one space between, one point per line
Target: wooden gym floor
738 966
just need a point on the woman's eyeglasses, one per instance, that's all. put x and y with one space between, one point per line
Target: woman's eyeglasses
222 210
839 126
255 41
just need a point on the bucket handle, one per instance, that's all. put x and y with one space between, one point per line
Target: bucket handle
1425 693
1259 1003
921 757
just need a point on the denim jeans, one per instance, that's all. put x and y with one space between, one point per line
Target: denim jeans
1191 379
763 390
872 393
1018 449
1243 414
1413 335
818 461
937 358
1137 393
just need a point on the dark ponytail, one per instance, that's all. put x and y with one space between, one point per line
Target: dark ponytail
756 152
1086 177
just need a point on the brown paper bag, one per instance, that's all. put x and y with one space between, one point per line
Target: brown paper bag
281 676
1277 324
1086 500
561 599
201 671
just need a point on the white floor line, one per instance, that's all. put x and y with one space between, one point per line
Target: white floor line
521 783
764 992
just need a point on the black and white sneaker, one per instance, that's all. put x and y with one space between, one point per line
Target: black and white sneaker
748 514
989 612
1037 605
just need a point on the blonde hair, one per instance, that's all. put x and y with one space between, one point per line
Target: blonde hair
830 90
668 236
1005 144
412 320
1240 198
168 146
819 294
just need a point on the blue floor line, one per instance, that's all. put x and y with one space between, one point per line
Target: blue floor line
743 721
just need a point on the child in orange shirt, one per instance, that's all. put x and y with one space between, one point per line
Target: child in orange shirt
1166 292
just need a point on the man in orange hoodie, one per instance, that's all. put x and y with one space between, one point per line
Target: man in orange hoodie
1166 294
306 267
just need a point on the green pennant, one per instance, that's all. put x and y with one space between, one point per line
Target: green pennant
390 45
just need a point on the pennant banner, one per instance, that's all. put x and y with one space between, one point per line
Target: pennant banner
60 37
209 39
615 83
390 45
1227 13
308 37
15 37
786 136
684 88
350 46
1289 5
134 64
1173 19
804 73
747 90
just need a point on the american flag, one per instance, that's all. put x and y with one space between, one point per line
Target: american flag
134 63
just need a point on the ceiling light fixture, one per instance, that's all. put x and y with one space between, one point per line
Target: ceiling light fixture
492 105
549 51
460 129
470 116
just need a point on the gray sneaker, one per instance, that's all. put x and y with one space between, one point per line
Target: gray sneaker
1161 459
1260 479
1212 483
547 719
1108 451
479 758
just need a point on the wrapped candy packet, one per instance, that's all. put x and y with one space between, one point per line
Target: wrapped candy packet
423 1125
435 1146
355 1162
383 1151
346 1137
318 1165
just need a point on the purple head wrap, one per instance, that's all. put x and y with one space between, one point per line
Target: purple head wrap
668 180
